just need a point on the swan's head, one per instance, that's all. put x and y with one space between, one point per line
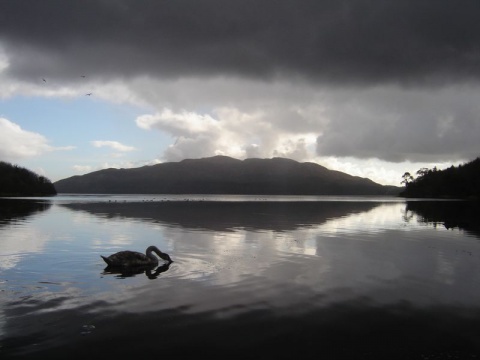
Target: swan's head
162 255
166 257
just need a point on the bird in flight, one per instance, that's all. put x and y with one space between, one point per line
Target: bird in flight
82 76
44 80
88 94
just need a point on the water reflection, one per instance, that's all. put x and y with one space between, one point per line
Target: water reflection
463 215
357 280
21 239
227 216
17 209
366 248
152 272
356 330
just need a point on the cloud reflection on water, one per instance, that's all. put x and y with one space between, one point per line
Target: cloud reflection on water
16 237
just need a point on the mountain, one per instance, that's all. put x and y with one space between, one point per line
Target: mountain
224 175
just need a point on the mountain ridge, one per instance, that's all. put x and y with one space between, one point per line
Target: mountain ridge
225 175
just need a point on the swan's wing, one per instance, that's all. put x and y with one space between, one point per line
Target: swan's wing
126 258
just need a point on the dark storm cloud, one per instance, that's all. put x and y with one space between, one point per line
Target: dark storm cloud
334 41
395 125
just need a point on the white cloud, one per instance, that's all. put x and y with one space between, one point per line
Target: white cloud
82 169
228 131
179 124
112 144
17 143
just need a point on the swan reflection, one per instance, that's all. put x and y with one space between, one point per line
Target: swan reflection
152 272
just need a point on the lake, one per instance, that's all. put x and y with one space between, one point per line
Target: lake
252 277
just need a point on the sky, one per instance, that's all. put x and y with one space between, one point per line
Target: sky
373 88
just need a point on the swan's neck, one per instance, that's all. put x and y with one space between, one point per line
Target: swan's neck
150 251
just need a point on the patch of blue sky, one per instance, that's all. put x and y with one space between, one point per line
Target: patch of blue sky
76 122
83 119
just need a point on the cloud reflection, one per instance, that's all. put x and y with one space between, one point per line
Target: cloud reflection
24 239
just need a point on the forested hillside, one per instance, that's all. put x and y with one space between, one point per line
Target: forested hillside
461 182
18 181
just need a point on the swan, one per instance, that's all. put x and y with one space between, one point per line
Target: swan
129 258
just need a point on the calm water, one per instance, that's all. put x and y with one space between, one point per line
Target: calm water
253 277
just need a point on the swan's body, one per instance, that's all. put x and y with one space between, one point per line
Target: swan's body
133 258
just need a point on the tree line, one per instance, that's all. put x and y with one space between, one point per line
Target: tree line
460 182
19 181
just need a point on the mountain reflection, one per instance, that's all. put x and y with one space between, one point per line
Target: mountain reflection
14 209
227 216
463 215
